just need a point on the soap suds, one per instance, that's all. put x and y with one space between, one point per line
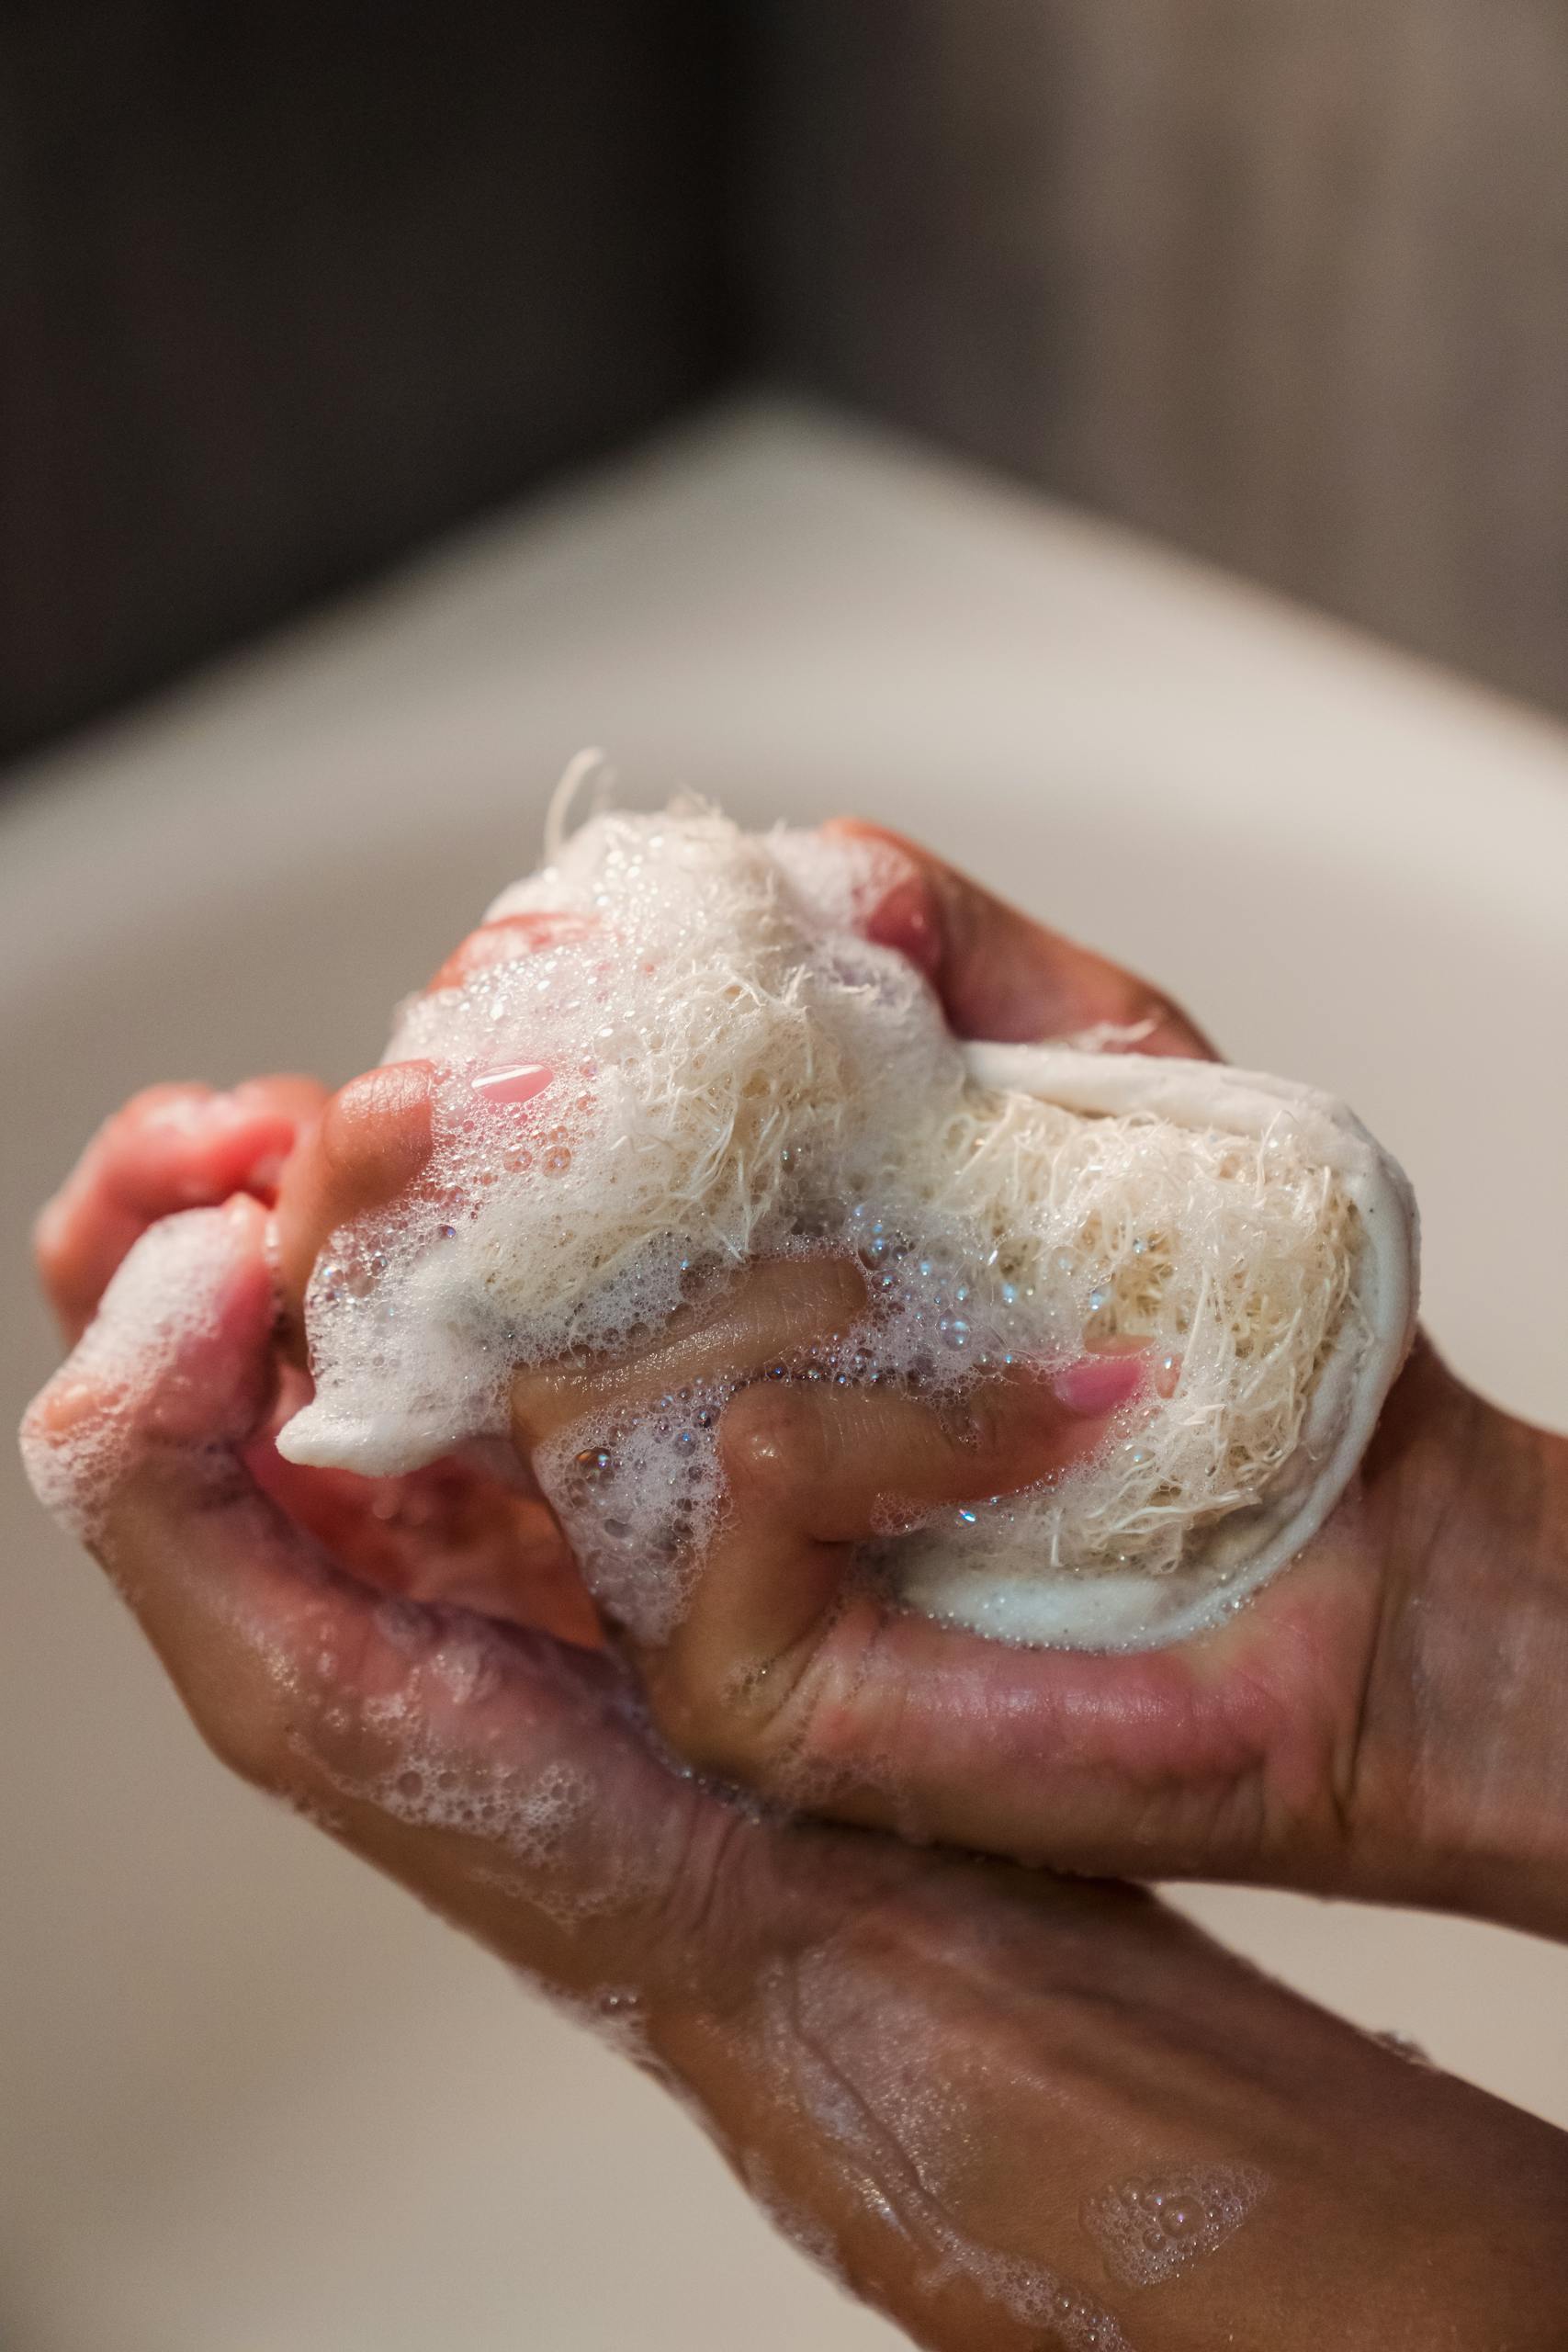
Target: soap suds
736 1074
166 1297
1158 2227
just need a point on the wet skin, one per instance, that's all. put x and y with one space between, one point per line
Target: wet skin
811 1988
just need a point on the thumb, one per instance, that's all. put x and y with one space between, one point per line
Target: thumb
815 1471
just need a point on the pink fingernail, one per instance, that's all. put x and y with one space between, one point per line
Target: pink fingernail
513 1081
1097 1385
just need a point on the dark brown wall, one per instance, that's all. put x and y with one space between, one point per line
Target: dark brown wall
1285 280
286 284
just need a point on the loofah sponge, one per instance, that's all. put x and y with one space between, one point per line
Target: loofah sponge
735 1072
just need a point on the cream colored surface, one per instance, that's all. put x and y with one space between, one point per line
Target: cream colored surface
256 2102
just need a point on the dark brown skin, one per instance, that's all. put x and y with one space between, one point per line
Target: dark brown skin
936 2062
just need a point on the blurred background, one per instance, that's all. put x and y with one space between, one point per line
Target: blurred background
286 287
1125 441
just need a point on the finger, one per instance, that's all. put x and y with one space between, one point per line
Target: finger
171 1147
371 1142
455 1532
1001 974
813 1473
811 1470
778 1308
509 940
1229 1755
465 1531
375 1137
500 1775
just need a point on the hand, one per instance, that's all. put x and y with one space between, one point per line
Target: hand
964 2084
470 1531
1348 1732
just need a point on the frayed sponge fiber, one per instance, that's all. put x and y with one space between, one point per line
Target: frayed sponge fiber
737 1073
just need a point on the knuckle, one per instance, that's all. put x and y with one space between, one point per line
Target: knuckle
788 1728
717 1731
770 1441
293 1725
990 1427
822 1738
704 1918
980 1421
249 1731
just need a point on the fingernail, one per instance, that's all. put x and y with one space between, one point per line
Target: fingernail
1097 1385
513 1081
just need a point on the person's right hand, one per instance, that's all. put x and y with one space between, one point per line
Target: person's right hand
1383 1720
1013 2113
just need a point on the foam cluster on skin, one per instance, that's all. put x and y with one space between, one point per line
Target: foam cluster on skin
738 1073
166 1298
1157 2226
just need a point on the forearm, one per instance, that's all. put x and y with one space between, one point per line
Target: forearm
1461 1796
968 2093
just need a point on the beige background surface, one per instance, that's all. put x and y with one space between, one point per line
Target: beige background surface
256 2102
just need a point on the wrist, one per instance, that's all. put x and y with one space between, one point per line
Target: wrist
1462 1776
946 2085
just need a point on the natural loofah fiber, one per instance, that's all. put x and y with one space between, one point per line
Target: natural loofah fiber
737 1073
